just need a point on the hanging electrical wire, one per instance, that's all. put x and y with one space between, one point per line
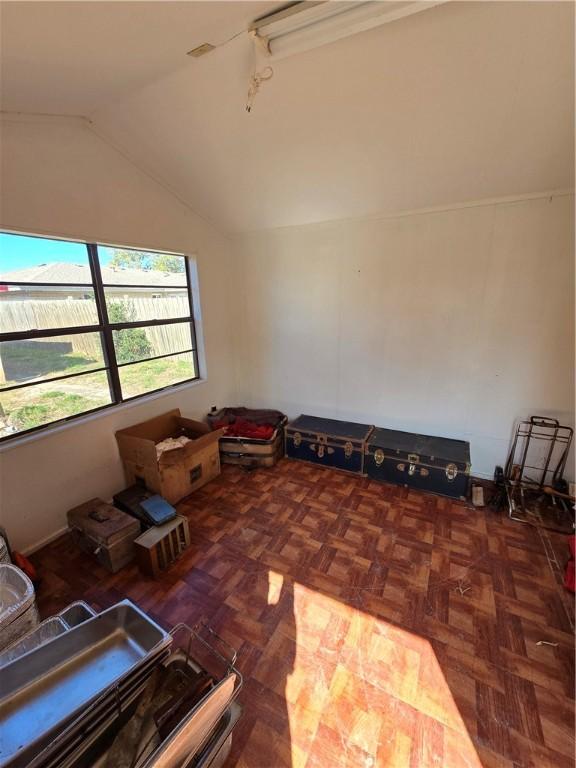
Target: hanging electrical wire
260 50
256 80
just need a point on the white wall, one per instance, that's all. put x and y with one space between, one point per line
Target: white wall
59 178
452 323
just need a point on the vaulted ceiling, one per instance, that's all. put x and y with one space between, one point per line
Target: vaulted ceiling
466 101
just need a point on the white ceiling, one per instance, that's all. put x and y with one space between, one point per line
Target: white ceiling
74 57
468 100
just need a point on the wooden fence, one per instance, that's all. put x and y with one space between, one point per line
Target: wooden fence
59 313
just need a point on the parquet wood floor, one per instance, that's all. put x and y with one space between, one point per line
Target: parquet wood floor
375 626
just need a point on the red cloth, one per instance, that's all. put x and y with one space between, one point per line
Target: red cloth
243 428
570 576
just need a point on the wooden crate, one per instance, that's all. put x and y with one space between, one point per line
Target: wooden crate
162 545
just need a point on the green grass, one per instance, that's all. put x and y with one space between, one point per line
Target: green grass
49 407
35 406
21 362
153 374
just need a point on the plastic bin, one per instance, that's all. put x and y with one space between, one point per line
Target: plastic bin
18 612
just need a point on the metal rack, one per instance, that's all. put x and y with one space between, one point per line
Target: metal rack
200 655
198 652
183 656
533 476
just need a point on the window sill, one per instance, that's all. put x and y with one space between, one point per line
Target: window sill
103 413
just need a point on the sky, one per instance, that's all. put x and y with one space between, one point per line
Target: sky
19 252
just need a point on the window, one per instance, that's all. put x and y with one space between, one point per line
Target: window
85 326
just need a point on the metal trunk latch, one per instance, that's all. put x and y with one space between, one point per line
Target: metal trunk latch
378 456
412 469
297 439
451 472
348 448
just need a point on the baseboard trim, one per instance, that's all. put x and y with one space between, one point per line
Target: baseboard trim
43 542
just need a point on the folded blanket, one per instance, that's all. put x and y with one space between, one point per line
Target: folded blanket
261 416
242 428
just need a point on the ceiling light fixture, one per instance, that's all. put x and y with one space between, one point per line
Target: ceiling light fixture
306 25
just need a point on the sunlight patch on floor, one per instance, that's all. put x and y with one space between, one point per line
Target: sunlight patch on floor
363 692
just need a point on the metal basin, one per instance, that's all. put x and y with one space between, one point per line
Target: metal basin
42 690
76 613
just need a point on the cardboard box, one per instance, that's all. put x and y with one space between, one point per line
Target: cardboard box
176 473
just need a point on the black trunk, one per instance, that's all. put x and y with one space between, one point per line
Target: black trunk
338 444
437 464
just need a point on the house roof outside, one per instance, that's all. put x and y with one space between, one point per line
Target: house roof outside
59 272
